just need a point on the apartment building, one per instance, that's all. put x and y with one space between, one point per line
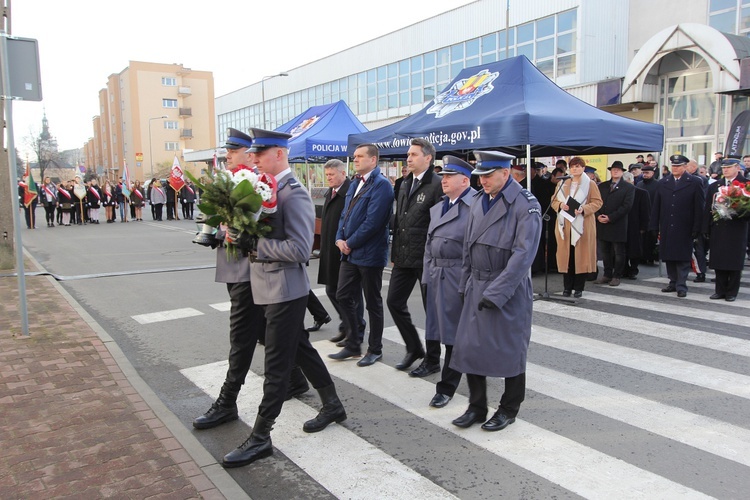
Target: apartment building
148 113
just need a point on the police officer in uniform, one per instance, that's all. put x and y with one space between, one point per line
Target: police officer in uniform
443 256
677 213
495 327
247 322
280 283
727 237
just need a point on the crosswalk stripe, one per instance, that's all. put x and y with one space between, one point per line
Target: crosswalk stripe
675 369
665 331
337 458
671 308
701 432
222 306
573 466
156 317
691 297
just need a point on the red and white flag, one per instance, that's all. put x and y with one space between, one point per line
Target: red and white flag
176 178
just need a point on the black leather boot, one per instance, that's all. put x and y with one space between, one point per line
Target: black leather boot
297 383
257 446
223 410
332 411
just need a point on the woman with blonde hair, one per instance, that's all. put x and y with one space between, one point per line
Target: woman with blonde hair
576 203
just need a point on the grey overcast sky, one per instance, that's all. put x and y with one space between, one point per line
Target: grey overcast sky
82 42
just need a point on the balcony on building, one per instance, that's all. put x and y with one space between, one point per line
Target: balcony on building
184 91
186 133
186 111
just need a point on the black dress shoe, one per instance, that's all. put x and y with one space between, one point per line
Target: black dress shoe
681 294
498 422
578 294
440 400
566 293
716 296
700 278
425 369
409 360
730 298
369 359
318 323
338 338
468 419
669 289
345 353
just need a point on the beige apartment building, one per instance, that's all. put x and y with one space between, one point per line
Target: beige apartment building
148 113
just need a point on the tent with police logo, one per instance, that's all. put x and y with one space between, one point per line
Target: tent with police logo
512 106
321 132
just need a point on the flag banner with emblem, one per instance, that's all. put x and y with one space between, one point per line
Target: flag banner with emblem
125 179
29 191
176 178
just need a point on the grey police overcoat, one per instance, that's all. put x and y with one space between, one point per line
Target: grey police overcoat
498 252
279 274
443 257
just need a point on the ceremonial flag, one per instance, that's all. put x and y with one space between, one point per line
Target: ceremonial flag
176 178
125 179
29 191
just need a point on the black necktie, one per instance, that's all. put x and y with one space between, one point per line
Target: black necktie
414 186
446 206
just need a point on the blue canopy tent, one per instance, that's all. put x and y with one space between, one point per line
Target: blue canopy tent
511 106
320 133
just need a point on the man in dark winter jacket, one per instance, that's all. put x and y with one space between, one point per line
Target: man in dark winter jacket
419 192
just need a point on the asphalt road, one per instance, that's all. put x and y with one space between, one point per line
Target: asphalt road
630 392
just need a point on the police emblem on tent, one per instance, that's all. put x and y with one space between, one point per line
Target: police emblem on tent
305 125
463 93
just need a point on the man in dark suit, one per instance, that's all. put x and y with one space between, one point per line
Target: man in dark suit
637 226
419 192
330 256
362 239
727 236
612 224
649 183
280 284
677 213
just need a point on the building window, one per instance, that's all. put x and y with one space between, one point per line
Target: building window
169 81
171 146
169 103
171 125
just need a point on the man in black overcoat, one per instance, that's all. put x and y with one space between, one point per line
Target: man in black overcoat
677 213
612 224
638 218
727 237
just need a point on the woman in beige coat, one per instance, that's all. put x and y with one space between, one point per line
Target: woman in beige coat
576 233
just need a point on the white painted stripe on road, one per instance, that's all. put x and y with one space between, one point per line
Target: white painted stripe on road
673 333
319 292
675 369
336 458
573 466
701 298
671 308
701 432
222 306
704 433
156 317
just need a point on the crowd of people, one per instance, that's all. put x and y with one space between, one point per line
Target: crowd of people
76 202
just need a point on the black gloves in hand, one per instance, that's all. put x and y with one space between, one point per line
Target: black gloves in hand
486 303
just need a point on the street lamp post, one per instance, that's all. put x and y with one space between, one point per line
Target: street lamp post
263 93
150 149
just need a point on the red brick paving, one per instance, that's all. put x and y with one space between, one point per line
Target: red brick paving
71 424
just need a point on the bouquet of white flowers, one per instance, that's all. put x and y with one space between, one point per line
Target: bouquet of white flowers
240 199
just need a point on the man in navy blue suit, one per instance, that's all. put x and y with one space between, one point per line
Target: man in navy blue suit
362 238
